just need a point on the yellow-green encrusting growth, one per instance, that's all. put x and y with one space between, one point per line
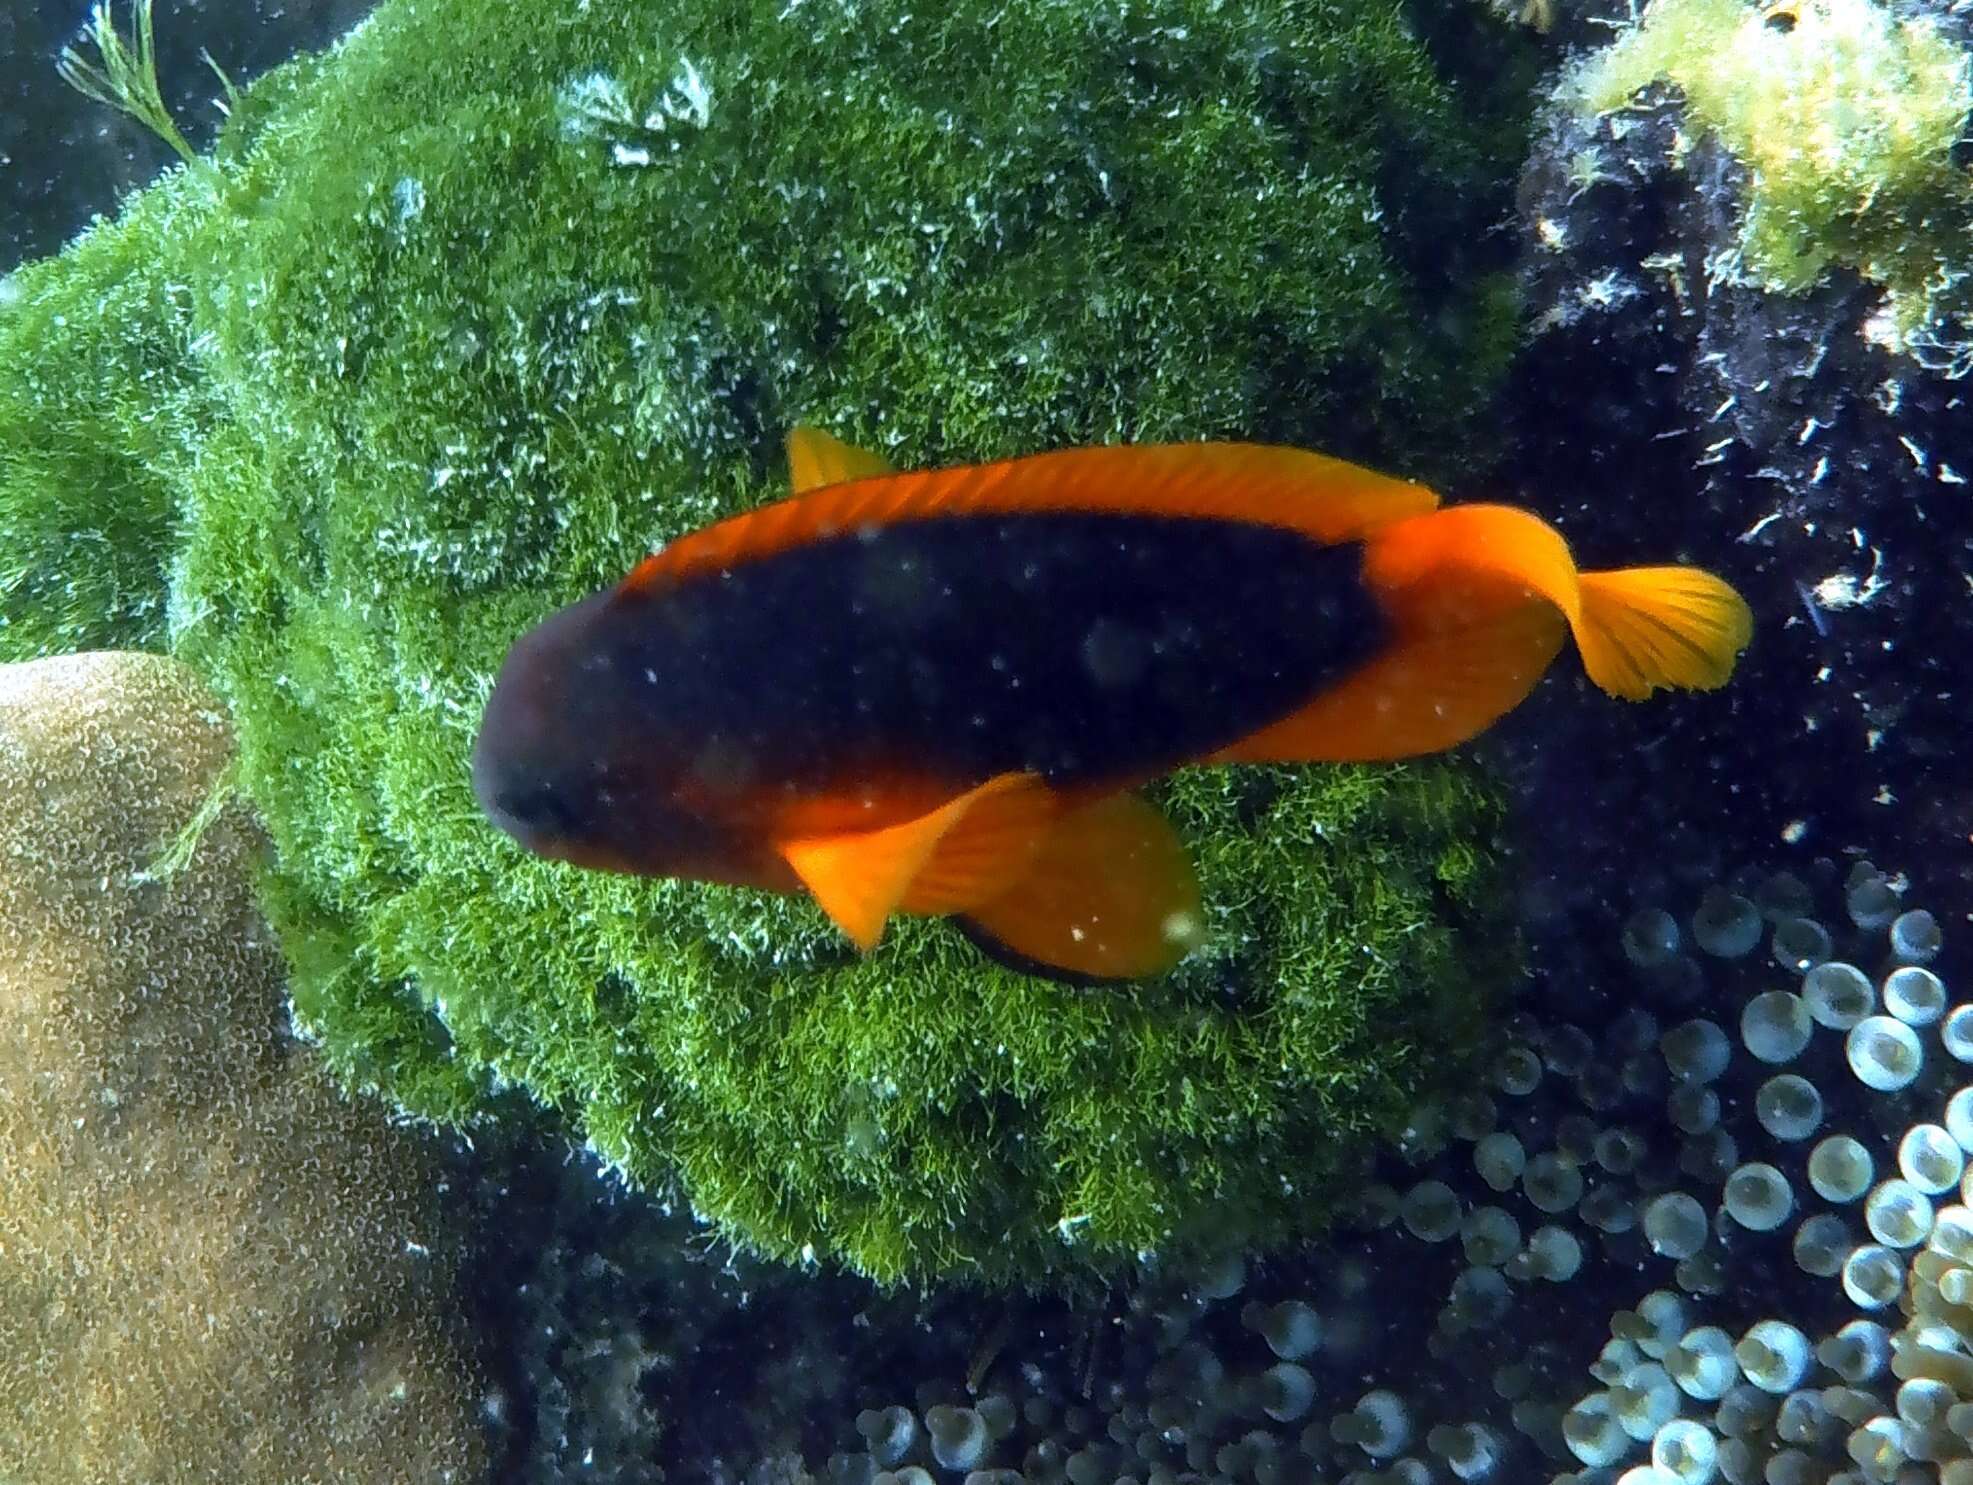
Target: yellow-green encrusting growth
213 1264
1845 121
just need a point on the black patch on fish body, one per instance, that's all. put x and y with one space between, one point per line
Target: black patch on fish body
1083 647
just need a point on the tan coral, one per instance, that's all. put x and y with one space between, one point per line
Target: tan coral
213 1266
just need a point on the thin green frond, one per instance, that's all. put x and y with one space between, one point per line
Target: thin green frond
127 79
231 101
177 855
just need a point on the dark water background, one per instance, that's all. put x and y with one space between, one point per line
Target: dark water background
65 158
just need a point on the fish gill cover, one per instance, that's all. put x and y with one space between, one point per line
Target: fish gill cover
469 314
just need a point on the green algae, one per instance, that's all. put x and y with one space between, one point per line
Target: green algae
476 313
101 407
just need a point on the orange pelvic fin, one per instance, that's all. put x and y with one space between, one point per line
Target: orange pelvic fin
1110 895
816 459
964 851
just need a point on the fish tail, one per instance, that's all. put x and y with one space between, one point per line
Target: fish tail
1480 599
1639 629
1643 628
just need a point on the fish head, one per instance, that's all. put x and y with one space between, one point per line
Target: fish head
572 763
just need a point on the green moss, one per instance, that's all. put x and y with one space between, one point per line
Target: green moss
494 302
1846 122
100 406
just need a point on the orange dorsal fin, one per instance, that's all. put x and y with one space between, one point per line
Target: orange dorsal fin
1643 628
1329 500
1110 895
1423 694
861 878
816 459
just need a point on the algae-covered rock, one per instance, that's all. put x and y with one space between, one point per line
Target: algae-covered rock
213 1265
488 303
1748 283
102 402
1847 118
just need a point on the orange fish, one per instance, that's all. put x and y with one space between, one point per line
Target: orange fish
933 692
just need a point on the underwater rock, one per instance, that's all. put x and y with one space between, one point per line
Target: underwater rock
213 1264
1750 332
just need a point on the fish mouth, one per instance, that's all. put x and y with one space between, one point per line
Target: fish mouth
539 817
543 821
609 825
525 800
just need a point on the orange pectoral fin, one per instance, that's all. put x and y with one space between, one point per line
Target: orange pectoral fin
816 459
967 849
1110 895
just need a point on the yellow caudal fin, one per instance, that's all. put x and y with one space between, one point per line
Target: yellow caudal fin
1643 628
816 459
1109 896
965 850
